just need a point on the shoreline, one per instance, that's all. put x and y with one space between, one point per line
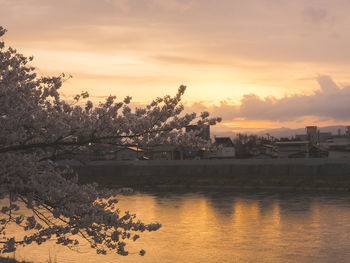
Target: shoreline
246 174
247 188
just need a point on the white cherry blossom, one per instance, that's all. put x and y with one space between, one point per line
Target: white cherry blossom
37 126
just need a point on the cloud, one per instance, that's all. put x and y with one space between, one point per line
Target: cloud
330 102
224 110
315 15
185 60
218 48
254 29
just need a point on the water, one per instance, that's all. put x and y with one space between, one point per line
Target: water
228 227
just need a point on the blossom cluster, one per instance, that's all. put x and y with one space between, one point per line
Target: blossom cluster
37 126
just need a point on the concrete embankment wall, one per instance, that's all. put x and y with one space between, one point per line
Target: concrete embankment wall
290 173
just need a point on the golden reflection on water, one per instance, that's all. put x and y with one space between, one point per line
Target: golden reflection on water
248 219
226 228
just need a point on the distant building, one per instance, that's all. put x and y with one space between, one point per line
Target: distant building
165 152
225 148
338 146
129 154
324 144
191 154
347 131
300 149
100 151
313 135
311 132
264 151
203 131
324 136
301 137
339 132
337 142
223 141
293 149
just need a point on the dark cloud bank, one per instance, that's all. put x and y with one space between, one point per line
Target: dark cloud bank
330 102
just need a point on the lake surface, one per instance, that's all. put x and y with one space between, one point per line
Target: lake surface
227 226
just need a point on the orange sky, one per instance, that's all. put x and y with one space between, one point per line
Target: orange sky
222 51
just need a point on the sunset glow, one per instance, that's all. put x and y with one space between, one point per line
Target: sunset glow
272 49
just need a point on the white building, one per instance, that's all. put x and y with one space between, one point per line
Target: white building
225 148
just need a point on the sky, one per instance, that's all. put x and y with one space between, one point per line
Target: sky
257 63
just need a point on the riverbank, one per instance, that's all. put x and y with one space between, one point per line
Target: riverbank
303 174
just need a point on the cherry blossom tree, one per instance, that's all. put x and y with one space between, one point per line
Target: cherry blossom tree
36 126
